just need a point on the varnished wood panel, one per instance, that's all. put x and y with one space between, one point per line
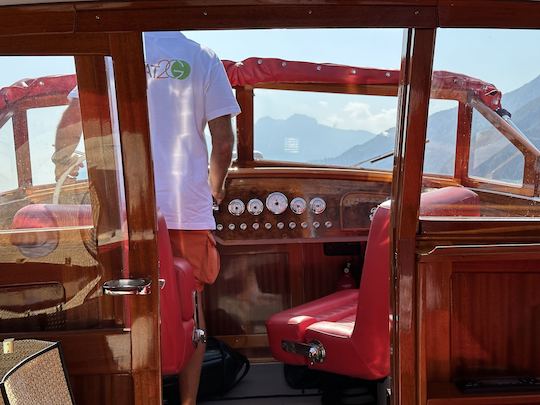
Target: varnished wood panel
251 286
337 221
478 317
101 389
495 320
322 272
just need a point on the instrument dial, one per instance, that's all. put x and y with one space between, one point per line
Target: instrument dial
317 205
236 207
255 206
276 203
298 205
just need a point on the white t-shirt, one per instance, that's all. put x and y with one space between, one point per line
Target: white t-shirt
187 87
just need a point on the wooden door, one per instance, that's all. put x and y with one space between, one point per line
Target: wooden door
72 238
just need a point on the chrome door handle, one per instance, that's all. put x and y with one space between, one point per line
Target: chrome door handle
127 286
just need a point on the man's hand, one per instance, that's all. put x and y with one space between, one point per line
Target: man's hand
65 164
219 195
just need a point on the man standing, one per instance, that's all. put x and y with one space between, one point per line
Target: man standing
187 89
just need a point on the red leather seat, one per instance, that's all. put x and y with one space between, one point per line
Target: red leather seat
353 325
176 299
176 305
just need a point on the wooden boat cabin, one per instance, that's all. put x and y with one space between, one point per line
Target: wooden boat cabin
379 231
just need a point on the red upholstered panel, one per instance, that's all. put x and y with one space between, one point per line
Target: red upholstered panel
451 202
176 305
52 215
40 216
363 351
359 345
292 323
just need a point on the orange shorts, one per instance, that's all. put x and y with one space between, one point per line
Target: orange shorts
199 249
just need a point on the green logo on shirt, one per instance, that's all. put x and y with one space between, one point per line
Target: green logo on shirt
180 69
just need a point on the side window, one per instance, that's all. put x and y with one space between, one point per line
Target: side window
440 151
42 127
493 156
489 139
60 193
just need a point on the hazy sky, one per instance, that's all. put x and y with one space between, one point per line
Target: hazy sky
507 58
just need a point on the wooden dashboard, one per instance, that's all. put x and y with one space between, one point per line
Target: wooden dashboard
296 209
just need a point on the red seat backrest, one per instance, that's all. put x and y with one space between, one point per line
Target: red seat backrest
176 305
371 332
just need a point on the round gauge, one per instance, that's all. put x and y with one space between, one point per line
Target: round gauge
317 205
298 205
236 207
255 206
276 202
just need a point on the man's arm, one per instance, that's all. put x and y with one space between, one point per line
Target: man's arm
68 135
220 159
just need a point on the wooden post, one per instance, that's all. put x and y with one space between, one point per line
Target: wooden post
414 95
127 53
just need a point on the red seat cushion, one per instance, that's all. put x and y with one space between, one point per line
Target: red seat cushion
357 341
292 323
40 216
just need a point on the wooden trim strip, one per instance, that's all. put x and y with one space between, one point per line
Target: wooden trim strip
245 125
178 16
488 14
24 20
55 44
488 252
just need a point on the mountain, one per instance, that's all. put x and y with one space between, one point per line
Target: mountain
492 156
300 138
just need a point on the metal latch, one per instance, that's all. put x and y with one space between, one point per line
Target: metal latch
127 286
314 351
